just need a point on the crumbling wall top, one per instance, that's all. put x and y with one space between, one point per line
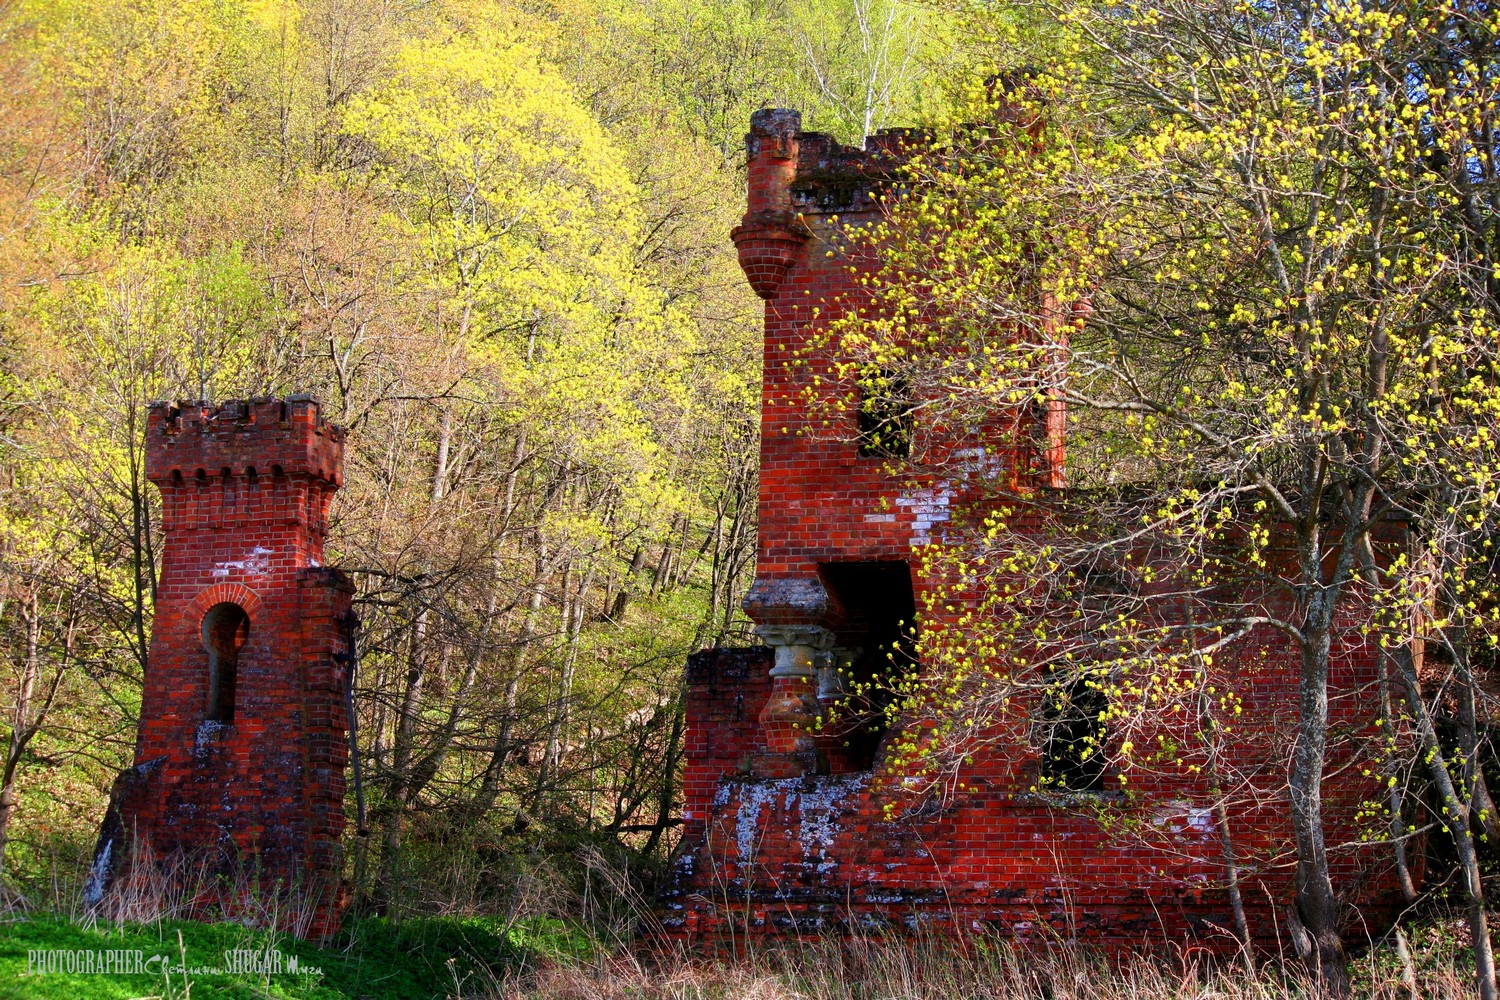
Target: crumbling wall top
814 173
262 436
793 175
834 178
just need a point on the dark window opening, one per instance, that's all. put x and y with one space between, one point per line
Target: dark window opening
225 629
878 630
885 415
1073 727
1038 433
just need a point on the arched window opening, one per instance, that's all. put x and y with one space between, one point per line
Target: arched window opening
1073 727
225 629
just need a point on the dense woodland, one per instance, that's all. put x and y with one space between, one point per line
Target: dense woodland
1251 246
492 239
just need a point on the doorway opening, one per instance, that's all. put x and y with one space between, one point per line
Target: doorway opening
878 640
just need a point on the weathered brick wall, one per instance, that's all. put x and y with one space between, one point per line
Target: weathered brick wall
857 851
247 800
790 828
820 499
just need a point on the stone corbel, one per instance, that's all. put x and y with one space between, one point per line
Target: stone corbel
789 718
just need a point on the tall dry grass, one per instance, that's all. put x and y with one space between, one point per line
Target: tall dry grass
147 889
1434 965
612 909
973 969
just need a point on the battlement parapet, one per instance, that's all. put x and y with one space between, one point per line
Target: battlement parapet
260 436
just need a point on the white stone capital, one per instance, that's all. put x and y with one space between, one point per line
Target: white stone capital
796 647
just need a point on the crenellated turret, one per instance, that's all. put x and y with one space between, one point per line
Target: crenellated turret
241 746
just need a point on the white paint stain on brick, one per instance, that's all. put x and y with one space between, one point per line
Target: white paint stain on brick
814 804
93 886
1201 820
257 563
1180 817
929 507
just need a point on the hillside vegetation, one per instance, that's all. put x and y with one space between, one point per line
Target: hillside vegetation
491 237
1248 247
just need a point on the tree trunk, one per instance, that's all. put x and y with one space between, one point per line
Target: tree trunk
1481 806
401 757
1210 729
637 563
426 769
489 788
667 798
29 713
1319 946
142 549
574 624
20 731
1457 814
1456 820
1395 795
445 445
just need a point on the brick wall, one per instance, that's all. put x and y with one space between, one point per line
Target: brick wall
240 794
793 829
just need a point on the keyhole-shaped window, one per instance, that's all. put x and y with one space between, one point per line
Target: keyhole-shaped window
225 629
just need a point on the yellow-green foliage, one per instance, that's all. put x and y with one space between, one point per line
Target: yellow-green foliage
492 238
1252 248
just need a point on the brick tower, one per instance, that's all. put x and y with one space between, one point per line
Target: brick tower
837 525
238 783
793 826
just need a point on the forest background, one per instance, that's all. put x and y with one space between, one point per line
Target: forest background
491 237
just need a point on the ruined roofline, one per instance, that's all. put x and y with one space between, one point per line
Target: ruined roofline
795 178
792 175
818 175
883 152
813 173
263 435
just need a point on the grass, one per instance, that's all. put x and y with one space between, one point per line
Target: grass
550 959
978 969
374 958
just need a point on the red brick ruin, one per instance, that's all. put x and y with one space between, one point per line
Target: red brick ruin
236 798
791 830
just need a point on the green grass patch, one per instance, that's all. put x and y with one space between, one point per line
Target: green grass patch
372 958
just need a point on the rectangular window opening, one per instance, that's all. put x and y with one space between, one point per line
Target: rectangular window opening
1073 734
885 415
